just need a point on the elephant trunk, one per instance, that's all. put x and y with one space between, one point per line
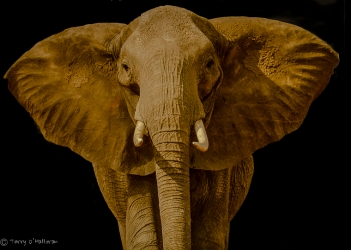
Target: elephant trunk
172 174
170 134
169 129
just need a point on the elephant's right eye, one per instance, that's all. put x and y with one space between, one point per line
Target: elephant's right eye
210 63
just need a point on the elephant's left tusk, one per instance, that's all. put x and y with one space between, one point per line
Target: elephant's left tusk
200 130
138 133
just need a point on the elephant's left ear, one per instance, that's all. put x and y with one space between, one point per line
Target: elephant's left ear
272 71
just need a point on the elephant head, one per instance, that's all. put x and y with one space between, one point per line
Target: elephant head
172 91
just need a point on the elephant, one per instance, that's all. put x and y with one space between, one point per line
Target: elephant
169 110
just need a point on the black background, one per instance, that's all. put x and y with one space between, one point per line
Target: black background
299 193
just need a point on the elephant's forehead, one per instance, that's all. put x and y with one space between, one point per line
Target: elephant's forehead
170 24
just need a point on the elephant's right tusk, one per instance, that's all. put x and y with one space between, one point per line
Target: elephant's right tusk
200 130
138 133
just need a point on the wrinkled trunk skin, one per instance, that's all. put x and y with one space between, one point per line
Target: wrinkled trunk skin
169 127
172 173
170 136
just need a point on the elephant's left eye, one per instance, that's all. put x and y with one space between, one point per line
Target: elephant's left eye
125 76
125 67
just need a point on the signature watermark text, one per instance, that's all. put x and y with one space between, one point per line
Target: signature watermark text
25 242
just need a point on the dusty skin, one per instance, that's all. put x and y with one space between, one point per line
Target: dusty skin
169 110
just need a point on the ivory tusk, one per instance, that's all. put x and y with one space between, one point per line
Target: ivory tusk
139 133
200 130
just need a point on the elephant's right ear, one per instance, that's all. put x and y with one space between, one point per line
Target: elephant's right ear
68 84
272 71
